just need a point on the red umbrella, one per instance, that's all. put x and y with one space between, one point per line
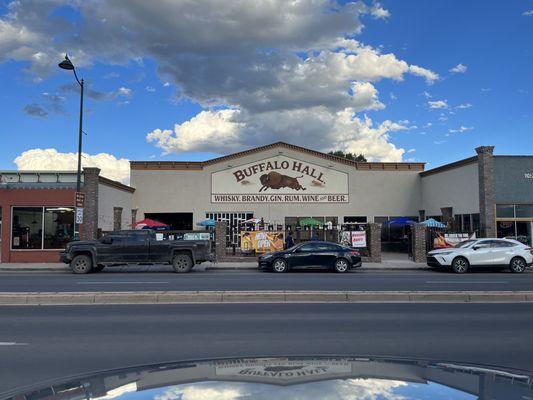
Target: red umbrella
150 223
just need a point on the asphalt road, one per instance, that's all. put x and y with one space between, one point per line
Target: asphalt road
255 280
41 343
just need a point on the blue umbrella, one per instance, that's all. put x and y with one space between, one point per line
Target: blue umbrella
207 222
402 221
432 223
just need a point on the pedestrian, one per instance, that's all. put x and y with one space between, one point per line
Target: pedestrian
289 242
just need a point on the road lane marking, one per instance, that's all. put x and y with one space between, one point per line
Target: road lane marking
467 282
12 344
120 283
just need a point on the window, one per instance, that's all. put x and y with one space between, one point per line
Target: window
40 228
458 221
327 247
523 232
484 244
501 243
505 210
505 229
58 227
466 223
524 210
27 228
475 222
348 220
308 247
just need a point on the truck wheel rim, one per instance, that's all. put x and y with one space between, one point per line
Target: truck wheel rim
518 265
279 266
81 265
181 263
342 266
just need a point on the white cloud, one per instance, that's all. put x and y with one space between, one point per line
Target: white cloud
428 125
461 129
459 69
393 96
426 94
150 89
464 105
377 11
486 89
52 160
166 84
437 142
430 76
315 128
263 82
411 151
360 388
527 13
438 104
123 91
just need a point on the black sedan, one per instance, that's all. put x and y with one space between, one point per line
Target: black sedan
312 255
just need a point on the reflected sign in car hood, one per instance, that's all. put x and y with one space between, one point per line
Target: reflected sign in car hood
293 378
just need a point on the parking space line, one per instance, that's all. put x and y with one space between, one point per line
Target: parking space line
12 344
120 282
468 282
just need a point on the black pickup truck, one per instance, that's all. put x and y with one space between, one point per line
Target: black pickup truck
135 247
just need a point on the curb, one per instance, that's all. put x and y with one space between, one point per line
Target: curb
95 298
63 270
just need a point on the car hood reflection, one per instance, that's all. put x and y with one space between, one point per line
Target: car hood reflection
293 378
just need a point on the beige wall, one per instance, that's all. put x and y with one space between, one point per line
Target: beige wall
457 188
371 193
108 198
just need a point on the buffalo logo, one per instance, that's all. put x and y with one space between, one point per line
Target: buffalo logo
275 180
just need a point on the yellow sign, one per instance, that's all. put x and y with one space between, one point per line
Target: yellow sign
262 241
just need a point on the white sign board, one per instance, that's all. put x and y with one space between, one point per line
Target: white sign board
358 239
79 215
197 236
279 179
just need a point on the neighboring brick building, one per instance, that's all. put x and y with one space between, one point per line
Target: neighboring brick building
37 211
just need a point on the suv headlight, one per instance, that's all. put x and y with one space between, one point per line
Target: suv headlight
443 253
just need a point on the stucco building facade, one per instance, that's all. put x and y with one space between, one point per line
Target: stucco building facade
282 183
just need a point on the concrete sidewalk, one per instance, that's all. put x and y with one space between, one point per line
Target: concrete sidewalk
395 265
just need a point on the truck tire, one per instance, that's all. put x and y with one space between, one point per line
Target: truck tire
81 264
182 263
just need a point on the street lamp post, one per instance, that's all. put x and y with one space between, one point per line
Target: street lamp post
67 64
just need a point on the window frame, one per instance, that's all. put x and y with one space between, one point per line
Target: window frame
42 226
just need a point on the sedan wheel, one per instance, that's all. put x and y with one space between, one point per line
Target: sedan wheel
81 264
460 265
280 265
341 265
518 265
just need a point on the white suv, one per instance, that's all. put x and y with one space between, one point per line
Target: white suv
487 252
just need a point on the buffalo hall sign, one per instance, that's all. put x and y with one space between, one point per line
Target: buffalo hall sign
279 179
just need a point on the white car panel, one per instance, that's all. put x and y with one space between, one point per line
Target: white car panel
488 251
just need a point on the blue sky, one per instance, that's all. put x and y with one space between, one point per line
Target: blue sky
259 79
